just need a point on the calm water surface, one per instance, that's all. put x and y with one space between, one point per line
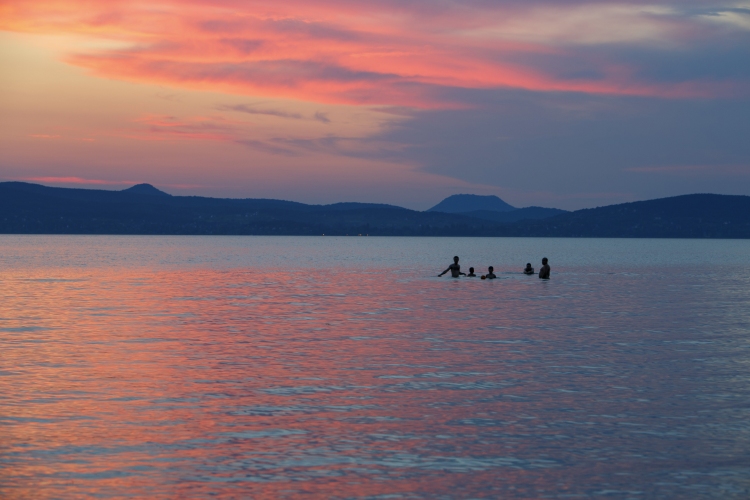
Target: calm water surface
166 367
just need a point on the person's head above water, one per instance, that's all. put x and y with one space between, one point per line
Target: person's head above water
491 268
471 269
455 259
544 261
528 264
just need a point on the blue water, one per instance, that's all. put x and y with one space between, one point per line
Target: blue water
275 367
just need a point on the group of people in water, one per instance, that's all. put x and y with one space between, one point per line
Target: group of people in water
455 270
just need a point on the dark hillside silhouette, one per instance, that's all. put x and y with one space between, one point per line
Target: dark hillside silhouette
516 215
687 216
33 209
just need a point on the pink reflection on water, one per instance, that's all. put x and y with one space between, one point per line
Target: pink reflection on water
177 383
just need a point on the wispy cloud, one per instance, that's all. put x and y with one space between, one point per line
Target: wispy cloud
268 147
322 117
163 128
252 110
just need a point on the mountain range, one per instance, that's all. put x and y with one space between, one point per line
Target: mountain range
143 209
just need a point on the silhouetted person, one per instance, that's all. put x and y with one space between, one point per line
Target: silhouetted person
454 268
528 269
544 271
490 274
471 273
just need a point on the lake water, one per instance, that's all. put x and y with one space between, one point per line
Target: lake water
279 367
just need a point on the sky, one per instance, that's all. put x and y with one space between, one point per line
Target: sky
563 103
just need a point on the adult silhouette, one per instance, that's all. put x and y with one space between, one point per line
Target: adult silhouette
454 268
544 271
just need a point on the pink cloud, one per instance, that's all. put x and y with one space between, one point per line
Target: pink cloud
389 53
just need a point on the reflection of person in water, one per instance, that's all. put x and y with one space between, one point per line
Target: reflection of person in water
454 268
529 269
471 273
490 274
544 271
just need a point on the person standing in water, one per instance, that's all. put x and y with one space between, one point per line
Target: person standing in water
454 268
528 269
544 271
471 273
490 273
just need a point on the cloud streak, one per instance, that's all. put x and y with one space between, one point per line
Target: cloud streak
737 170
163 128
251 110
74 180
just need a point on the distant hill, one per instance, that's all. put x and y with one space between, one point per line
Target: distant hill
687 216
33 209
145 189
519 214
462 203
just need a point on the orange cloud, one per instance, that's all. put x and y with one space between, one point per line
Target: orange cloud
351 52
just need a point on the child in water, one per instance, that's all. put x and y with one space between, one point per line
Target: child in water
529 269
490 274
454 268
471 273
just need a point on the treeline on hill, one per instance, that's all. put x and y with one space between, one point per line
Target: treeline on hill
33 209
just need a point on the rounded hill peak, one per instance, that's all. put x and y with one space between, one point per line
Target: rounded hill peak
145 189
461 203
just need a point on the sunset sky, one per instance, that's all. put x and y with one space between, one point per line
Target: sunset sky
560 103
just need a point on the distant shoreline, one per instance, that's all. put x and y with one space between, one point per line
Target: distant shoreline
380 236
